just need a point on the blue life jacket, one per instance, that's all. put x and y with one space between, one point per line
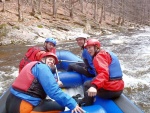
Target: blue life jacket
115 71
87 58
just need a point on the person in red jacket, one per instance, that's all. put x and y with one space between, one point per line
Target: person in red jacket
33 53
49 45
108 82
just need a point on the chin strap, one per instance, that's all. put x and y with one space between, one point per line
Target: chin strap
97 50
43 60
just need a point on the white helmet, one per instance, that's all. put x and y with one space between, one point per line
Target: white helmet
81 35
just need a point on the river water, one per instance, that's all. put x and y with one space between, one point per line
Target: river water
132 49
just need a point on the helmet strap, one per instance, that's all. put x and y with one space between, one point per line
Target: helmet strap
43 60
82 47
96 49
84 40
45 45
83 44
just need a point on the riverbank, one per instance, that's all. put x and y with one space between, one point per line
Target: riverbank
34 30
36 34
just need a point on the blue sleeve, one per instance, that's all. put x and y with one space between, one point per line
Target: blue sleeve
88 57
50 86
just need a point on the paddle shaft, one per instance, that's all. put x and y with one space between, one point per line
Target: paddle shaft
57 73
71 61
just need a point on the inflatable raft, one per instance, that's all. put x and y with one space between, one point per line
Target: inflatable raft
73 82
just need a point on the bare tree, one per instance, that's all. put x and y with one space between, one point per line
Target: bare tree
36 7
148 11
95 9
121 14
111 9
143 12
20 16
136 11
81 4
3 5
102 11
71 8
54 8
39 7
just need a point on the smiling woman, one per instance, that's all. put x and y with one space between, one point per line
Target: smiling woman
49 58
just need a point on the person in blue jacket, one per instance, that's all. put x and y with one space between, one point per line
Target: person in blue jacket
87 67
34 83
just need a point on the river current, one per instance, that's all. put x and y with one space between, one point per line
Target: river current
132 49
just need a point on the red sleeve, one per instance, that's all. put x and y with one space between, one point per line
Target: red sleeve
101 63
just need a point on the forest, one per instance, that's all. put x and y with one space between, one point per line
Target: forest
95 17
99 11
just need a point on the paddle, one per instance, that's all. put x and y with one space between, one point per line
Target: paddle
71 61
59 82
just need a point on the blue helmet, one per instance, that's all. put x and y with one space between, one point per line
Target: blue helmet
52 40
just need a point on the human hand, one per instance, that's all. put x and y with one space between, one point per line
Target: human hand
92 91
60 83
78 109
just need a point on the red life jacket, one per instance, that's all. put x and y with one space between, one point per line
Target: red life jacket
28 84
30 56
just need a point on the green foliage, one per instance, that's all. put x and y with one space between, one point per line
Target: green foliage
16 27
39 26
2 26
3 30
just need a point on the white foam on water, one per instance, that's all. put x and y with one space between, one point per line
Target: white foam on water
13 73
30 45
117 41
141 35
135 82
144 34
146 78
1 87
145 28
1 82
2 73
110 36
145 50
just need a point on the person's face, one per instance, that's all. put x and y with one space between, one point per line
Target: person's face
49 46
80 41
91 50
50 61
